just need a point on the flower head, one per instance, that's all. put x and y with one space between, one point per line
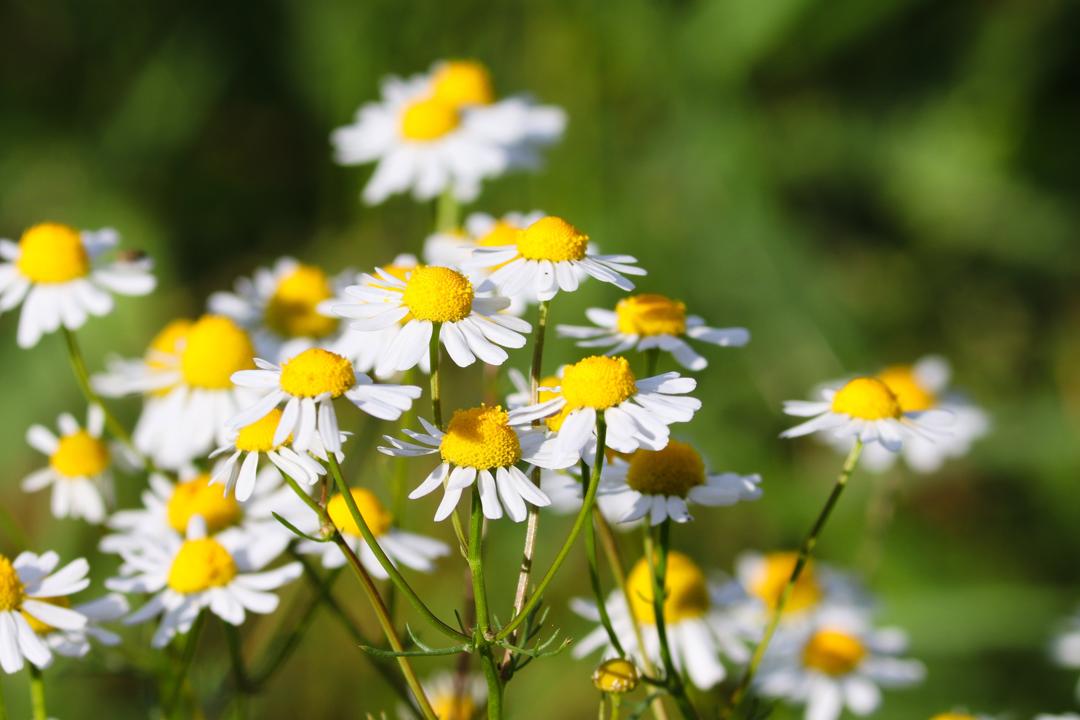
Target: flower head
79 466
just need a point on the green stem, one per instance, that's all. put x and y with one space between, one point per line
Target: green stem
241 681
447 211
436 388
3 705
398 489
476 563
652 361
594 576
657 557
805 551
185 664
37 694
494 684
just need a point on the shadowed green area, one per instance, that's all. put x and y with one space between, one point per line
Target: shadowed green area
859 183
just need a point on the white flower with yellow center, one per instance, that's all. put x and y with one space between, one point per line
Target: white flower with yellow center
414 551
185 575
648 321
659 484
698 626
637 412
59 275
470 327
480 446
79 466
75 642
454 249
548 256
308 384
867 409
279 306
185 379
839 661
33 591
1066 647
450 699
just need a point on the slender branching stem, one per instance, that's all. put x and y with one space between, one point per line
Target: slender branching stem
594 575
657 555
186 658
37 694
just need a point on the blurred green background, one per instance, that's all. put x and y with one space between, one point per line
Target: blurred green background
859 183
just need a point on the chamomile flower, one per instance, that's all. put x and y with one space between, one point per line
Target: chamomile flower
659 484
867 409
185 378
548 256
308 384
414 551
60 277
75 642
470 327
452 700
455 248
647 321
760 579
32 590
185 575
637 412
699 628
480 446
1066 647
279 306
79 466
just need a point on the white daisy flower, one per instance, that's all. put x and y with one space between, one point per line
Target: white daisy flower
661 483
637 412
470 327
30 591
59 275
479 445
838 662
308 384
644 322
698 626
414 551
76 642
279 306
867 409
547 256
186 382
1066 647
79 466
186 575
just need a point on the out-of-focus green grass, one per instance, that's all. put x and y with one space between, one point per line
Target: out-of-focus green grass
858 183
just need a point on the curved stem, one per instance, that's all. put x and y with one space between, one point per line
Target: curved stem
37 694
657 557
805 551
185 664
594 577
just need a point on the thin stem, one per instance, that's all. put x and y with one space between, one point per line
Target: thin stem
447 211
594 576
652 361
805 551
3 705
398 491
494 684
241 681
476 563
185 664
37 694
879 514
657 557
436 388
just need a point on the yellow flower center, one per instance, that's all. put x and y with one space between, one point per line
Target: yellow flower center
615 676
684 584
44 628
598 382
501 233
480 438
909 392
80 454
291 311
671 471
438 294
773 576
833 652
169 341
552 238
460 83
52 253
12 590
316 371
198 497
453 707
373 512
647 315
428 119
866 398
554 422
200 565
259 435
216 347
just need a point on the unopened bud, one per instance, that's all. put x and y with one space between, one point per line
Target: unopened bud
615 676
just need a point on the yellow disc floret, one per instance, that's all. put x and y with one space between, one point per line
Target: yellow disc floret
671 471
374 513
866 398
169 341
770 579
200 565
52 253
438 294
833 652
428 119
480 438
12 590
259 435
292 309
616 675
215 348
648 315
461 83
39 626
684 584
452 706
315 372
552 238
909 392
598 382
198 497
501 233
554 422
80 454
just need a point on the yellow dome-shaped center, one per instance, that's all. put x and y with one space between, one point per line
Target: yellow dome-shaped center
12 590
554 422
909 392
428 119
316 371
770 579
671 471
501 233
259 435
38 626
438 294
866 398
200 565
461 83
450 706
598 382
80 454
198 497
215 348
833 652
552 238
52 253
169 341
648 315
684 584
292 309
374 513
480 438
